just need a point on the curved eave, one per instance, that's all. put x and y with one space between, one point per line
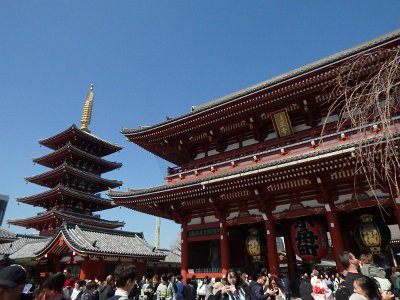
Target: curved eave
61 138
78 239
50 159
307 71
64 169
38 220
59 191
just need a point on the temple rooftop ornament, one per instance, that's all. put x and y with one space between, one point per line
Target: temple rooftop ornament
87 110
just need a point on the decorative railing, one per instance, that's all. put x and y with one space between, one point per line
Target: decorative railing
276 152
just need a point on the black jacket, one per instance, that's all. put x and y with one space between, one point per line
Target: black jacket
105 292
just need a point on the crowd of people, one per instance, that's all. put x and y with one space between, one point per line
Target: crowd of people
361 280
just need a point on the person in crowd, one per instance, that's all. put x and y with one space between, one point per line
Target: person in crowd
143 289
69 283
305 288
202 289
286 285
125 276
256 288
106 290
179 287
188 290
369 269
275 286
151 290
172 285
235 289
217 286
162 289
365 288
90 292
134 293
12 282
77 291
52 288
351 265
142 281
328 282
209 287
194 285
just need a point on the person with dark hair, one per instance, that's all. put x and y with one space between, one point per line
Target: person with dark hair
52 288
125 276
235 289
202 289
256 288
351 264
162 289
152 288
68 283
12 282
188 290
78 290
305 288
179 287
90 291
367 287
276 287
171 285
107 289
194 287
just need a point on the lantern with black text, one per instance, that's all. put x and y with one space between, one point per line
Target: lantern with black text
309 239
371 236
253 244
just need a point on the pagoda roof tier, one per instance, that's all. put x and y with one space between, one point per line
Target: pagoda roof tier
6 236
89 240
174 139
75 135
63 195
59 216
66 175
293 169
69 153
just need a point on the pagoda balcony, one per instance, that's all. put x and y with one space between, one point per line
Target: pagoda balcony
290 146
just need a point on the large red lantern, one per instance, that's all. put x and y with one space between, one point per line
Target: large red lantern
309 239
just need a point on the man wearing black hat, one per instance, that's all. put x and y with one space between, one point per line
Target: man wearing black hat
12 282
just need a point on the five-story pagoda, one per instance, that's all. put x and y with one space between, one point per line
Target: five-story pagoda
74 181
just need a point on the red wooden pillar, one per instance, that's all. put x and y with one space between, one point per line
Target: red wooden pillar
272 251
291 259
224 242
184 253
336 236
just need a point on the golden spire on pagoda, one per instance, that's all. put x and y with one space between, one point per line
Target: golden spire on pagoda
87 110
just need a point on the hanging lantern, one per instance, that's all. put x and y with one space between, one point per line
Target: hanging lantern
309 239
253 243
371 236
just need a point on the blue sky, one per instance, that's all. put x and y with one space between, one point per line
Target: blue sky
149 60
